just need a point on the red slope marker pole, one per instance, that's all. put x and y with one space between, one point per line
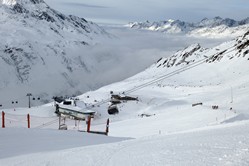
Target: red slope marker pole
88 123
28 118
107 126
3 118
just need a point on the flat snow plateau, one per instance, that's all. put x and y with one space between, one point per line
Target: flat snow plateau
216 145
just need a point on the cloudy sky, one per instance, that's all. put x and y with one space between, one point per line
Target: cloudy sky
123 11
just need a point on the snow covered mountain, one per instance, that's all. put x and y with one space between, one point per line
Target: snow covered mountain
206 27
42 51
192 108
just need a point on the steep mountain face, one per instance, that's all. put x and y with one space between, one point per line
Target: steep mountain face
206 27
194 53
42 51
211 67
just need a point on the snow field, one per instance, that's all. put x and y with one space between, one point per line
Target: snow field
217 145
174 133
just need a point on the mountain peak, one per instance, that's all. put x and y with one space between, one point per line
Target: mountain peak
171 20
217 18
43 39
211 27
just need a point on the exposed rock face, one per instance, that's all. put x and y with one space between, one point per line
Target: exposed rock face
238 47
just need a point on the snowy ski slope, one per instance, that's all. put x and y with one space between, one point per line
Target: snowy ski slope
174 132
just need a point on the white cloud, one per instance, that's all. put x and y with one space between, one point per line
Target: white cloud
133 51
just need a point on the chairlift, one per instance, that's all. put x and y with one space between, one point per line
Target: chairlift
115 101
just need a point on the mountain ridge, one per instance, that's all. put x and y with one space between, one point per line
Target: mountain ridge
205 27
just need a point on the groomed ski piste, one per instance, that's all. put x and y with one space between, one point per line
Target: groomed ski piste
192 110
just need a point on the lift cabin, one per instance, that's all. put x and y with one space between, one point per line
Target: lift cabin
113 109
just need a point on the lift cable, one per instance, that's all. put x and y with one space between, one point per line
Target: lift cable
168 75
